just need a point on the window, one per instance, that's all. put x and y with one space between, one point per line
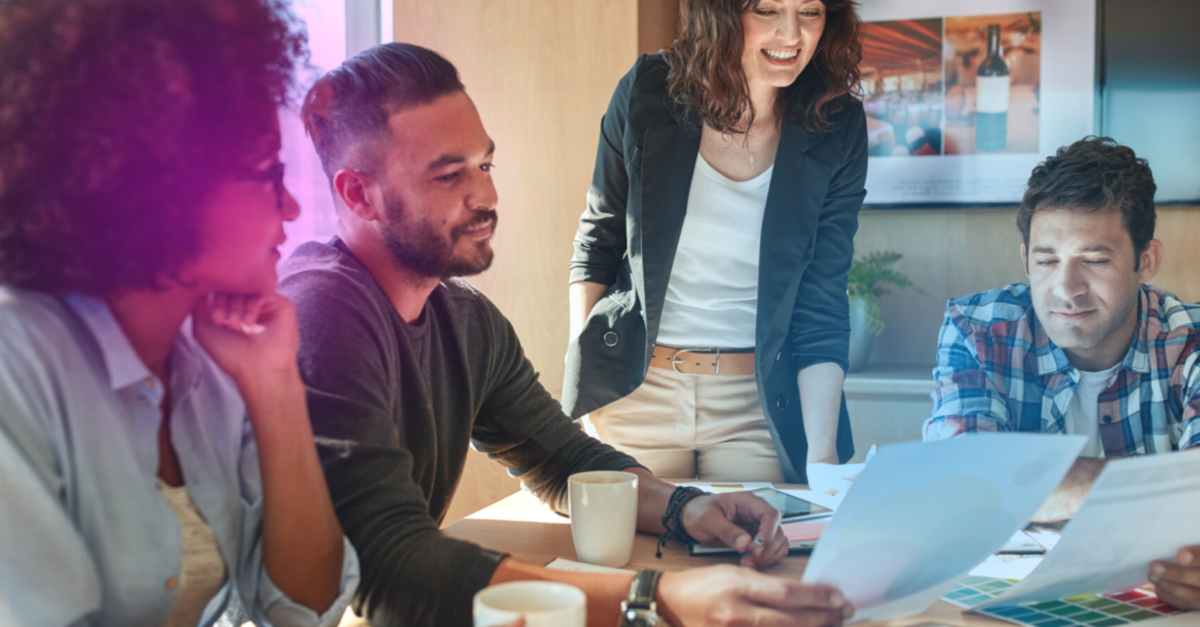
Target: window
336 28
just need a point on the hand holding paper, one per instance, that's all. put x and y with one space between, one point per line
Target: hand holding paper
1178 583
1141 510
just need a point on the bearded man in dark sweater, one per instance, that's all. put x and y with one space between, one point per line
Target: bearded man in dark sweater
406 366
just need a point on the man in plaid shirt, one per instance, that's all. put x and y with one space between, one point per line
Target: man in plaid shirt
1086 347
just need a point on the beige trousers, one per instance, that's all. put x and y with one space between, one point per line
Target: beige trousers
709 427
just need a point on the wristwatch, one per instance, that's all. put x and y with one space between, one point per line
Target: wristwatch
640 609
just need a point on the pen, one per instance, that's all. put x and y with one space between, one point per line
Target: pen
757 542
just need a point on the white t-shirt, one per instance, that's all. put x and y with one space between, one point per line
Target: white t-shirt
1083 416
712 296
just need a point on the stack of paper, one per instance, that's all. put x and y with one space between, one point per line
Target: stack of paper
1141 509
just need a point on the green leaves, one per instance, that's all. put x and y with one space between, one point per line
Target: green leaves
869 274
868 310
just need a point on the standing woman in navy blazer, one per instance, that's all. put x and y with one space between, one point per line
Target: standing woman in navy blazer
710 322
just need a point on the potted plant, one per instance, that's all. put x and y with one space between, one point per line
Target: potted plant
865 284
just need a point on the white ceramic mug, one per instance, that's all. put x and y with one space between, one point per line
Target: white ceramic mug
604 516
542 603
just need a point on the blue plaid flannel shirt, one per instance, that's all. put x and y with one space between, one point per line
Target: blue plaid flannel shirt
998 371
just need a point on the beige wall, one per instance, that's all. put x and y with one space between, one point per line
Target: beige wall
955 252
541 73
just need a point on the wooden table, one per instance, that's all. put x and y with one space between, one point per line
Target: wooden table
529 531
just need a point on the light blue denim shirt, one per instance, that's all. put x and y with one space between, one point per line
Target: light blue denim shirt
85 536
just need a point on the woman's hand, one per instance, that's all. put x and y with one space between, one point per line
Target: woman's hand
255 339
737 520
248 336
728 595
831 478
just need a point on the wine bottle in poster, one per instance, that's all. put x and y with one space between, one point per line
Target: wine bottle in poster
991 97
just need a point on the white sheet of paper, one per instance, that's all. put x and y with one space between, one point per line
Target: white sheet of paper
922 515
1045 537
566 564
1007 566
1022 542
723 486
1141 509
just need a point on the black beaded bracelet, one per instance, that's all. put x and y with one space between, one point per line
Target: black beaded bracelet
675 531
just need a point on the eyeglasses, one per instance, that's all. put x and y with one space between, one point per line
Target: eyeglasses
272 174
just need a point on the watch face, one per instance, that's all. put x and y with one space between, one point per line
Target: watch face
641 618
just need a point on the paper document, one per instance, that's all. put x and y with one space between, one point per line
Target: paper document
566 564
1141 509
1014 567
1048 538
1022 543
922 515
727 486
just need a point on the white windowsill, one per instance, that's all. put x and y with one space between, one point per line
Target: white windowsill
891 380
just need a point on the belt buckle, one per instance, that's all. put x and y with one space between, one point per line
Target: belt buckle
675 360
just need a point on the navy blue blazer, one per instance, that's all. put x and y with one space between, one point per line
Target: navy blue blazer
628 235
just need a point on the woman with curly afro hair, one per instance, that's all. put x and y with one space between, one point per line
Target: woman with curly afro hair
152 471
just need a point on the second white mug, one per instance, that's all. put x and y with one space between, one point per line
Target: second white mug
604 516
542 603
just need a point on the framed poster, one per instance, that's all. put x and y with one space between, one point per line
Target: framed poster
964 97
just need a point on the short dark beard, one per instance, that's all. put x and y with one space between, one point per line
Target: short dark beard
417 247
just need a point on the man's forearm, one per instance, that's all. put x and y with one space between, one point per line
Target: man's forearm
821 404
653 496
1071 492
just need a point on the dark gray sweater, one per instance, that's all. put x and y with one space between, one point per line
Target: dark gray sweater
394 407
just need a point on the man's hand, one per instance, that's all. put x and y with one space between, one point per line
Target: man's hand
737 520
728 595
1178 584
832 478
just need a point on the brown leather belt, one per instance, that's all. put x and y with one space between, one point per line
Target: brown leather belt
702 360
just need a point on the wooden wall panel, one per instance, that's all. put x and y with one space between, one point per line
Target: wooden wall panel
951 253
1179 230
946 253
541 73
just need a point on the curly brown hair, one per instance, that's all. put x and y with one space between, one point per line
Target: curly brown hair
118 118
706 73
1094 174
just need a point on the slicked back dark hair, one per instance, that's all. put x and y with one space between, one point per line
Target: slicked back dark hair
118 119
1093 174
346 111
